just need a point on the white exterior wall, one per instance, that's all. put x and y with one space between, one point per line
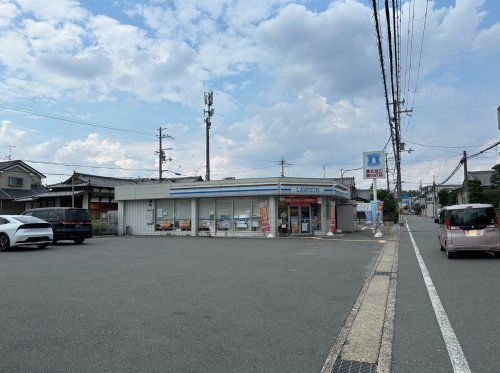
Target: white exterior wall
135 217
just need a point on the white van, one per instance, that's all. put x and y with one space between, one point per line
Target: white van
468 227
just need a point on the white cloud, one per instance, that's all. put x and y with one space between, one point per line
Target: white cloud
8 12
488 39
53 10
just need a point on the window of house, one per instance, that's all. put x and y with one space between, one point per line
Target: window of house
15 181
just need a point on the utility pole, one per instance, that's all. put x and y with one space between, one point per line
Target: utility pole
73 189
161 151
324 172
10 152
283 164
209 101
387 173
466 178
434 207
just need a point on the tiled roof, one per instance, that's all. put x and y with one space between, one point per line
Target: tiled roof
347 181
483 176
34 197
364 194
6 164
16 193
84 180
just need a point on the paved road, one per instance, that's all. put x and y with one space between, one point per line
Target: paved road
178 304
469 289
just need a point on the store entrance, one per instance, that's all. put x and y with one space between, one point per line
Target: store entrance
300 219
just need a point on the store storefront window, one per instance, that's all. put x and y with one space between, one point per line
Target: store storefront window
183 214
206 214
242 214
164 215
255 225
224 208
315 217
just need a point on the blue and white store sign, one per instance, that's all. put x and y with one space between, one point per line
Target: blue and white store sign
305 190
373 165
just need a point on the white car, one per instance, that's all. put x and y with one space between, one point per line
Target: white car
20 230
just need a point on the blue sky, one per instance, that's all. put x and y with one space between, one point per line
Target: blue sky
298 79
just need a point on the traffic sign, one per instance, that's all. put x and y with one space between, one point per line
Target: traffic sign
373 165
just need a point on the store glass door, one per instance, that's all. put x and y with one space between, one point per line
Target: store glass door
294 220
305 219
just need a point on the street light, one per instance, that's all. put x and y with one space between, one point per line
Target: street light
344 171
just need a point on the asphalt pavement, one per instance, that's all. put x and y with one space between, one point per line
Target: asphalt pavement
179 304
468 288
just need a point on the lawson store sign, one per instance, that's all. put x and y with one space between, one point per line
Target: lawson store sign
251 190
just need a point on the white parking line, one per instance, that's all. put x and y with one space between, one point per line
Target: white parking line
455 352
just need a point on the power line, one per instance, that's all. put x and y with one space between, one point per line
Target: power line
382 67
88 166
484 150
421 49
454 107
445 146
83 123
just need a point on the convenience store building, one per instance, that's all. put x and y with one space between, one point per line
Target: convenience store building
236 207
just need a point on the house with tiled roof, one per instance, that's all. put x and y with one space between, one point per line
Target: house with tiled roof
18 180
484 177
93 192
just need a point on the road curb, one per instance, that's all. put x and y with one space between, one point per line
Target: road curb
385 346
385 353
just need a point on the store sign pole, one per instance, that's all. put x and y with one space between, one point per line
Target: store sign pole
373 168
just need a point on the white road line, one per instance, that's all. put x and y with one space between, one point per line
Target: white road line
363 228
455 352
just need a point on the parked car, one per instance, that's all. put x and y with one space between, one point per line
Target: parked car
19 230
468 227
69 223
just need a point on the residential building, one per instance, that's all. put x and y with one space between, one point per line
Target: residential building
18 180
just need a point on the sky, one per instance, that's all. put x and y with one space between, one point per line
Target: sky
293 79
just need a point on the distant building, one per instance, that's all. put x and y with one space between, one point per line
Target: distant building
92 192
18 180
484 177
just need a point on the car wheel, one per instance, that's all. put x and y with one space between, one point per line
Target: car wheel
54 241
79 241
451 255
4 242
42 245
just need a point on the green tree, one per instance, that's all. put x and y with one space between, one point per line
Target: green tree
452 197
443 196
476 194
390 210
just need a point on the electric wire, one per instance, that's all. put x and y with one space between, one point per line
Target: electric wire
75 121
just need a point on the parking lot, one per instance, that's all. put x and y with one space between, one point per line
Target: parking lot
179 304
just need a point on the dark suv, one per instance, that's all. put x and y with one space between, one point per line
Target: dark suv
68 223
